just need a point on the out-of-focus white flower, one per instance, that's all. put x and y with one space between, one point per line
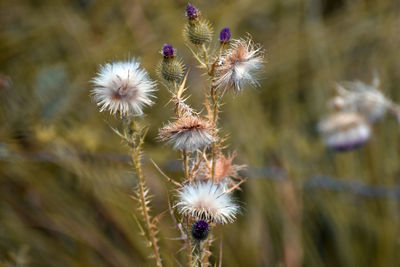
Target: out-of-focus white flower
239 65
123 87
345 131
360 97
207 201
188 133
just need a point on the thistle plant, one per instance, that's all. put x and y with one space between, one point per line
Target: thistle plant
124 88
356 108
202 200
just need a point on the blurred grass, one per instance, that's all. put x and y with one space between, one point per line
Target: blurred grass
65 178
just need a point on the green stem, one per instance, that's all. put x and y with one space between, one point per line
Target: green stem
205 56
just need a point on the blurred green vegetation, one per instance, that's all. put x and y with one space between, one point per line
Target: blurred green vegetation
64 176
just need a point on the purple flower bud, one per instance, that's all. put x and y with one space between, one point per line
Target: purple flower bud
168 50
225 35
200 230
191 12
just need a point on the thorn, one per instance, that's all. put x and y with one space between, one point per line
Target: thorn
182 88
235 186
165 176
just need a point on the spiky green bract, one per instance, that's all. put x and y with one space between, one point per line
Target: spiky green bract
198 32
171 70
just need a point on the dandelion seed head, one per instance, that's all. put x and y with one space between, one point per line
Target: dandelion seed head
123 87
200 230
345 131
207 201
188 133
239 65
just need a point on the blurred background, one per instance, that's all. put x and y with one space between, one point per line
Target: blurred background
65 177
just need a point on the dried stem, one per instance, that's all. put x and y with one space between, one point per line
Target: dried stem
205 253
202 252
293 253
188 239
220 253
186 164
214 118
142 199
189 244
142 195
166 176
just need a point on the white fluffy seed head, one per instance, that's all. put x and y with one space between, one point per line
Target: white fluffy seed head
207 201
188 133
365 99
239 65
345 131
123 87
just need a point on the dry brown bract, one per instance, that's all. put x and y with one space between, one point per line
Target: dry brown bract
225 170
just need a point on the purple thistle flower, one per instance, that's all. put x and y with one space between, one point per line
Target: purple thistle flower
200 230
191 12
168 51
225 35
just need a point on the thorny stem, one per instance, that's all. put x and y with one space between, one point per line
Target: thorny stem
186 164
201 253
205 252
205 56
203 248
188 241
152 234
214 102
189 244
212 70
214 122
142 199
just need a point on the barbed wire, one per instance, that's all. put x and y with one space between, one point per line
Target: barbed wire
273 173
